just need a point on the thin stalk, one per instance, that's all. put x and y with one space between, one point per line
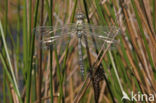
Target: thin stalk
30 12
51 74
9 92
18 36
25 52
63 74
64 61
73 14
59 71
9 62
99 10
31 54
28 47
86 10
39 79
33 82
143 35
128 59
51 53
28 82
154 15
6 71
59 76
86 41
5 33
117 76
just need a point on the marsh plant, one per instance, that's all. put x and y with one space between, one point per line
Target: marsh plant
52 52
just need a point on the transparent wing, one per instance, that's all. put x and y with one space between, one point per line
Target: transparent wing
58 40
54 30
107 31
96 43
98 37
57 35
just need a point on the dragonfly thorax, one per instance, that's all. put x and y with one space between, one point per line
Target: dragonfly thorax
79 33
79 28
79 22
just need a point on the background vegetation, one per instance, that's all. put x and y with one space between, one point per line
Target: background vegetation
27 77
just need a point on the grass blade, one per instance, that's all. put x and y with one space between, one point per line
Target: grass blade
9 61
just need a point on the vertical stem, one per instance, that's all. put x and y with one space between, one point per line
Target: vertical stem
73 14
154 14
5 33
39 82
18 35
51 53
115 70
25 36
33 84
51 74
30 12
99 11
9 91
143 35
9 62
86 10
51 13
59 73
31 54
28 85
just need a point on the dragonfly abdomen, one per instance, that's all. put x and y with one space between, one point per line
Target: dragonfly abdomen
80 57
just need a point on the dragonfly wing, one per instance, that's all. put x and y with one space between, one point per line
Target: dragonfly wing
107 31
58 41
96 42
57 35
54 30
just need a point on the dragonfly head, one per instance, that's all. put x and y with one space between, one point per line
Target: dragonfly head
80 16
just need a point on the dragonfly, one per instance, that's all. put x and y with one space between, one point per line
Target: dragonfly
86 35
